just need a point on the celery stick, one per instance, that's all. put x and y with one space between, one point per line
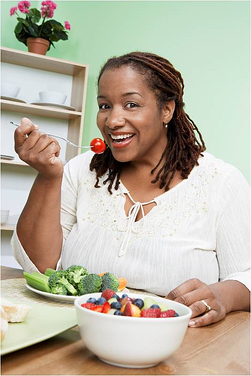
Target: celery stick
37 280
49 271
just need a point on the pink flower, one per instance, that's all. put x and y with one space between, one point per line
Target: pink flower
23 6
47 9
13 11
67 25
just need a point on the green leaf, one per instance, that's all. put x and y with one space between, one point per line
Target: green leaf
18 28
35 15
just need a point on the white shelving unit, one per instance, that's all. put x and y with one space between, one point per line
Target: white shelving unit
34 73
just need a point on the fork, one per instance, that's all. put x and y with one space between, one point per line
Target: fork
61 138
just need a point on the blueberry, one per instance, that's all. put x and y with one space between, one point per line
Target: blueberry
155 306
116 305
100 301
124 296
91 300
118 313
116 297
176 314
138 302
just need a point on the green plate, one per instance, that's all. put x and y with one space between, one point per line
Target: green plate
42 322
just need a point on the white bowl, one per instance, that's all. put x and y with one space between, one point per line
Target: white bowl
9 90
133 342
4 216
52 97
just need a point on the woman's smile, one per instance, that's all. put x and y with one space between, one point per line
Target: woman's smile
121 139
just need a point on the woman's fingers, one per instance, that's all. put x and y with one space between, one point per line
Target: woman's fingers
207 319
22 132
201 299
180 293
38 149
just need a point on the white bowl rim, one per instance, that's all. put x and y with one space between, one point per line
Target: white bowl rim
79 301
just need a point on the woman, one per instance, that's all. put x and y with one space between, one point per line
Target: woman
153 207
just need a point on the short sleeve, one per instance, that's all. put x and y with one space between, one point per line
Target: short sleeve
233 231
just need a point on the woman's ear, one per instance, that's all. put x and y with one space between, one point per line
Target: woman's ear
168 111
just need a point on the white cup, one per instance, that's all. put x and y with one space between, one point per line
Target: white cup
4 216
9 90
52 97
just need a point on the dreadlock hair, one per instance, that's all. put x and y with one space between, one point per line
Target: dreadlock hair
183 148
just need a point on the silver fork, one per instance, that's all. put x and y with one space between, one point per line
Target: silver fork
61 138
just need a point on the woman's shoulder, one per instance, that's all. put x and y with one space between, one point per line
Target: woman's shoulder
78 168
81 161
210 166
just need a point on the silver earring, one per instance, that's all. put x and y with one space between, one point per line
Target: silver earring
166 125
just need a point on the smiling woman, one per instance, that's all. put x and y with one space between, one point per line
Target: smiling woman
154 207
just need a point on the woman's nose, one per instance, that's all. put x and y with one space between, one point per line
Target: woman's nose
115 119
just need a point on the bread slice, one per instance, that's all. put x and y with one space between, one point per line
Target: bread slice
4 324
15 312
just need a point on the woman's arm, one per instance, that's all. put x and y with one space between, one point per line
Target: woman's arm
233 255
39 228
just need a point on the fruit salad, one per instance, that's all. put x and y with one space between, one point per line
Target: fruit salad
110 303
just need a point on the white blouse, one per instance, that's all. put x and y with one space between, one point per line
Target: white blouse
198 229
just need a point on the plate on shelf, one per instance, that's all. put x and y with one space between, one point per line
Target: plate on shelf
63 106
13 99
8 157
43 322
62 298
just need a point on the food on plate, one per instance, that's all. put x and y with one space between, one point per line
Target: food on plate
110 303
97 145
74 281
15 312
11 313
91 282
4 324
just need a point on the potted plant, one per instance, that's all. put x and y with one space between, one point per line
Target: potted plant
38 26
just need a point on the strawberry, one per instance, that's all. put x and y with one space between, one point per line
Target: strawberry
106 307
88 305
97 308
168 313
108 293
151 312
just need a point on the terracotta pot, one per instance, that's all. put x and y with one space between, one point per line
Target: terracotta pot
38 45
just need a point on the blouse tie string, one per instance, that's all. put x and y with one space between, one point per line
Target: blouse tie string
131 223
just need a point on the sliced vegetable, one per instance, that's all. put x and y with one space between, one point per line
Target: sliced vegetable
49 272
37 280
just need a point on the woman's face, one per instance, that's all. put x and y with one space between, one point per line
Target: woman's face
129 118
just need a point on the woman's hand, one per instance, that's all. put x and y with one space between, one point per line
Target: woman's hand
193 292
38 150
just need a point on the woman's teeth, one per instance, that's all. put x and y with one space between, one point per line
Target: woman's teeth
120 137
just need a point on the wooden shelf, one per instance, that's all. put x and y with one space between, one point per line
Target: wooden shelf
7 227
13 162
36 73
31 60
37 110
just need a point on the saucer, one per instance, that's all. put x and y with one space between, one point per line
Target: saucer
14 99
54 105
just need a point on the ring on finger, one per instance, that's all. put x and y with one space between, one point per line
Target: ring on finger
208 308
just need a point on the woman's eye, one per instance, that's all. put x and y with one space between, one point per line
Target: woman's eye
131 105
103 106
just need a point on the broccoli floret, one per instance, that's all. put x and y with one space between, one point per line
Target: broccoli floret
75 273
109 281
59 278
91 283
59 289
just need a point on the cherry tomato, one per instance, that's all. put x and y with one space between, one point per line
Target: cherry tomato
97 145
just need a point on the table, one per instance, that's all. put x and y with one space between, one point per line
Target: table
219 349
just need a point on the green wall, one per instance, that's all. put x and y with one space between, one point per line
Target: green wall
208 41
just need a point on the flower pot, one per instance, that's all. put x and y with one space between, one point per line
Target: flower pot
38 45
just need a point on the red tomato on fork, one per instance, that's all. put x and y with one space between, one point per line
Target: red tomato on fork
97 145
